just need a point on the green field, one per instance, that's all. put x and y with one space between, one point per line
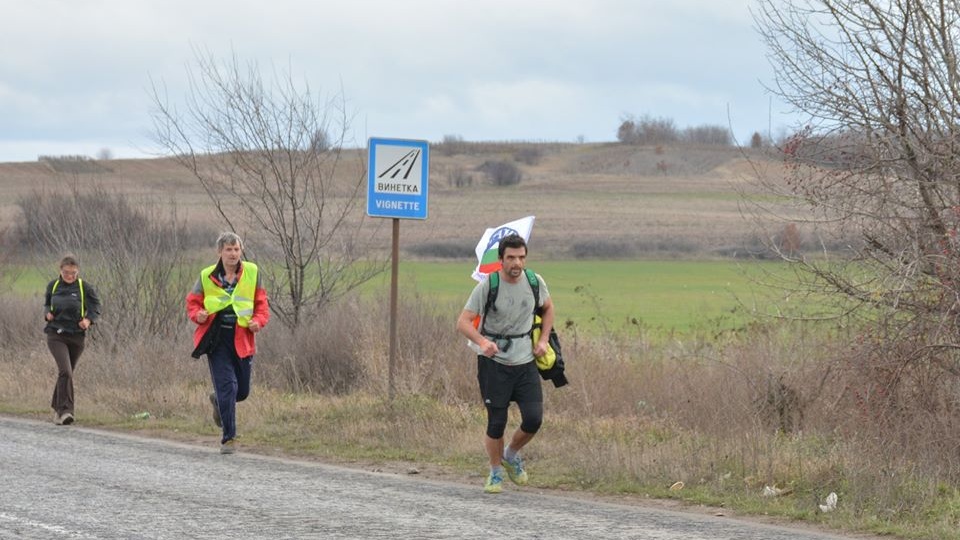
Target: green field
663 295
595 295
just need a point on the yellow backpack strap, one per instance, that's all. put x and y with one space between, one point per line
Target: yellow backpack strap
83 304
53 290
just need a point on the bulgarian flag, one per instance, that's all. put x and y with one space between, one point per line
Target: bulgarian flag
487 255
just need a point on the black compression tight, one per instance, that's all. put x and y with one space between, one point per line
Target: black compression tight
531 417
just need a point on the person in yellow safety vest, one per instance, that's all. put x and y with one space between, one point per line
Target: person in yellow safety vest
230 307
70 306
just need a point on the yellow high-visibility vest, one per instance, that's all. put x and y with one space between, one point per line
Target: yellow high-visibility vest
216 299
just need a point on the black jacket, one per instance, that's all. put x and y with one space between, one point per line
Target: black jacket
65 304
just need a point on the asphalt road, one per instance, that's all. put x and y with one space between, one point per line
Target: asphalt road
72 482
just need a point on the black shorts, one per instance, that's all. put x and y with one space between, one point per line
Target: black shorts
500 384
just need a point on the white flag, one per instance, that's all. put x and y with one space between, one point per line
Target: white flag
487 256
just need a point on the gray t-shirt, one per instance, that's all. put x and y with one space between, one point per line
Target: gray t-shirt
513 315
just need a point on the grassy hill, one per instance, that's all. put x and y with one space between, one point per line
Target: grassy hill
590 200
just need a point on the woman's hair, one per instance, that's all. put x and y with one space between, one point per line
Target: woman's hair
69 260
228 238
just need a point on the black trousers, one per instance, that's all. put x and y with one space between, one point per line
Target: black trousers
66 350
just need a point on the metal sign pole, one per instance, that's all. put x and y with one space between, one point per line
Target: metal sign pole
392 366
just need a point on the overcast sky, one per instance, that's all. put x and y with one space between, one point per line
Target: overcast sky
75 75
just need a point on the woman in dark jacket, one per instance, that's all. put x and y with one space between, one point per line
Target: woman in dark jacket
70 305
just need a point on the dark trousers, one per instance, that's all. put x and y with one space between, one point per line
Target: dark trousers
66 350
231 380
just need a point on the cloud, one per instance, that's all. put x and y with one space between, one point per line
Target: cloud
498 69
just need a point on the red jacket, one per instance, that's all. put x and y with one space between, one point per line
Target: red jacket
244 340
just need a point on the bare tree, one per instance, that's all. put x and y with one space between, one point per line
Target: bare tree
647 130
267 154
707 134
877 165
132 252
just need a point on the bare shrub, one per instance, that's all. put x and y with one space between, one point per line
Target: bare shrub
442 250
610 376
451 145
647 130
347 350
131 253
780 406
125 379
432 358
429 360
459 177
627 132
501 173
667 246
81 218
789 241
74 164
707 134
901 397
323 357
320 141
602 249
18 331
768 378
616 248
529 155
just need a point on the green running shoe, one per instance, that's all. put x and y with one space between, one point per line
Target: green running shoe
494 483
515 470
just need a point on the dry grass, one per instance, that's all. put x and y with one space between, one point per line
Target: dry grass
638 416
579 193
727 414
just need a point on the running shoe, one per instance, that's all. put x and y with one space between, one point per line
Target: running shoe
228 447
515 470
494 483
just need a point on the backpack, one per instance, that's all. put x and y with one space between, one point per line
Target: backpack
550 365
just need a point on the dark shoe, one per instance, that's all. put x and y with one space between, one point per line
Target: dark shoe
228 447
216 409
66 419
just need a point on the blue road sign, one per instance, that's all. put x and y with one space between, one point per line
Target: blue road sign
397 178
